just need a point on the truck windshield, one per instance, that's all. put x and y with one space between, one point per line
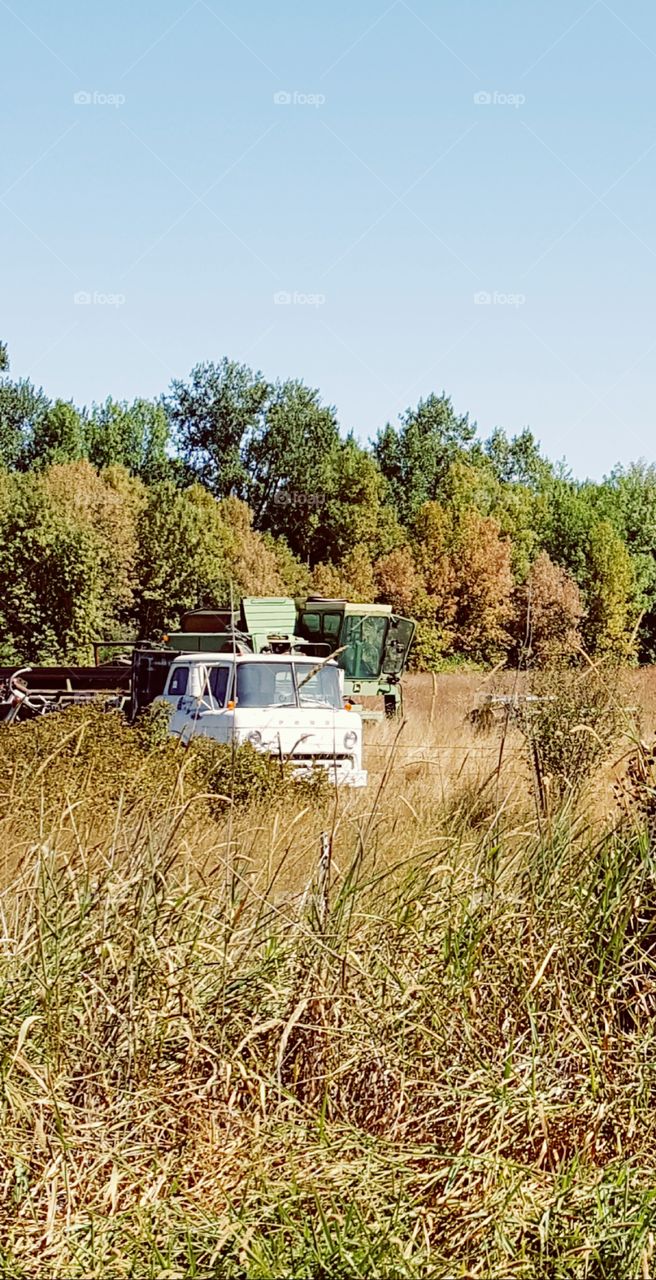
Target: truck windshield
318 687
272 684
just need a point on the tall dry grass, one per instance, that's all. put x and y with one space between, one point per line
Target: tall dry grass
420 1046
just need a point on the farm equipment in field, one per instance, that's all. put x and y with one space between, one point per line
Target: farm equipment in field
127 686
369 643
35 691
496 710
283 704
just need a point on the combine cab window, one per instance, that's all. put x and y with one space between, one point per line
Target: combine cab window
321 627
365 638
397 646
312 625
331 625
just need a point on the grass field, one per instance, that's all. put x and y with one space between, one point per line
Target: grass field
422 1046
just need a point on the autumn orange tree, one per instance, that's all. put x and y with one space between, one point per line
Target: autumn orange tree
465 568
548 614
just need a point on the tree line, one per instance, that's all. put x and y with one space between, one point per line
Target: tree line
115 518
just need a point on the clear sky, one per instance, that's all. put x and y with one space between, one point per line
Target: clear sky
384 199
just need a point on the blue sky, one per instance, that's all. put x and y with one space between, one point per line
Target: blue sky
448 196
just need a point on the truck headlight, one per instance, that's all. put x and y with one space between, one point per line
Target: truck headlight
350 739
255 738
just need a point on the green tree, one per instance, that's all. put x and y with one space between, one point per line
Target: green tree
67 574
213 415
290 457
294 576
52 587
354 509
518 460
182 561
610 593
58 435
108 504
193 550
629 500
415 457
22 408
568 517
135 436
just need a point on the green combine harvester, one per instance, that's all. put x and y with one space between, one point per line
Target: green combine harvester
369 641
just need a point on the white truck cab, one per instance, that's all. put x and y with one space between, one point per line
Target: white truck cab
288 705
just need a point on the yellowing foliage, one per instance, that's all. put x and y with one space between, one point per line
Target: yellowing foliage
465 565
549 612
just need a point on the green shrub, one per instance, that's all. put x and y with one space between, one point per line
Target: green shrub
89 753
578 721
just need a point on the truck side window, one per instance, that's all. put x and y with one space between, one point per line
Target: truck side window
179 682
219 684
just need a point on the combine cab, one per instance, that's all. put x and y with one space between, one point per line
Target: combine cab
371 644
